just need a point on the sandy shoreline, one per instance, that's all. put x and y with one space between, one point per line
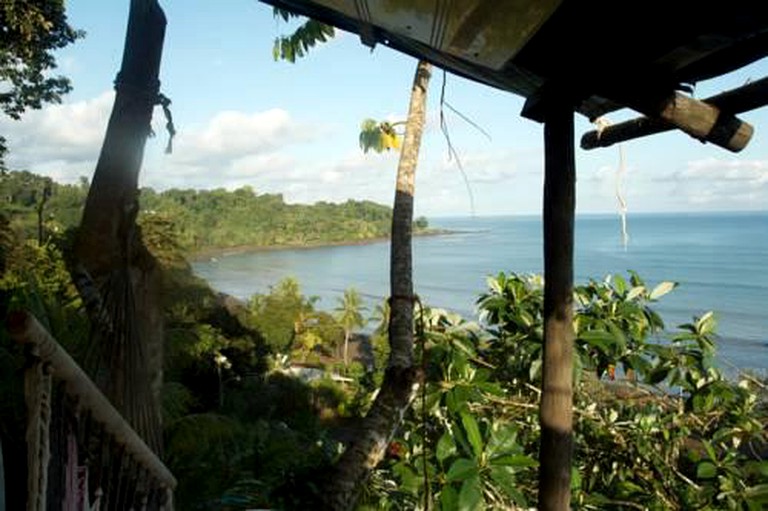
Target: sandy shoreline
209 253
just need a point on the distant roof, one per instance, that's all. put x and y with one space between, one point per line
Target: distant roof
604 54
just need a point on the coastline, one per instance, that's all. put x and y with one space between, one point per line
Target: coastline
214 252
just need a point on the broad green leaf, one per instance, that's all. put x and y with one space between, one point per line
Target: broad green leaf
410 479
599 339
620 284
471 494
662 289
706 470
473 433
575 478
514 460
461 469
502 440
445 446
449 498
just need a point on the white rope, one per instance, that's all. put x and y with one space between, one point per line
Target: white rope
600 124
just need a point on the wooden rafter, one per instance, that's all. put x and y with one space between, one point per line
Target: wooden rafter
742 99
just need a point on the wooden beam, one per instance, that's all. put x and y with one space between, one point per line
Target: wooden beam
556 408
743 99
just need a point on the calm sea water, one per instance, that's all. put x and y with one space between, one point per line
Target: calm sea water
719 261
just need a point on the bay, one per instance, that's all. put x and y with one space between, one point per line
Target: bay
718 259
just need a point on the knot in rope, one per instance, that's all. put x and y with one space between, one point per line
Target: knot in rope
151 94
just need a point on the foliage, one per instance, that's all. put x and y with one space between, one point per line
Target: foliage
676 435
204 220
31 31
379 136
349 314
306 36
280 315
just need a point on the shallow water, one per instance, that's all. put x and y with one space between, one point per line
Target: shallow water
718 259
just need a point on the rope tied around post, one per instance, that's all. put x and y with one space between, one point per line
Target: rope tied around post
150 93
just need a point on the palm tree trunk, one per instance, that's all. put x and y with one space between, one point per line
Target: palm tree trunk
109 245
400 379
346 347
556 411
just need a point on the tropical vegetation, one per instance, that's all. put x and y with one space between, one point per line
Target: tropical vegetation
205 221
657 423
261 405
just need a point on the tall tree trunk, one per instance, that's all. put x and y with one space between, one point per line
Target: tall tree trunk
109 245
400 378
556 413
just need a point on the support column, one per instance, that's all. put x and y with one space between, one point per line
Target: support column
556 407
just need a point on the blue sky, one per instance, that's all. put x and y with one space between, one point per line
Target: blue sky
244 119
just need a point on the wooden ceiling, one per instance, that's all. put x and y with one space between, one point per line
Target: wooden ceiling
601 55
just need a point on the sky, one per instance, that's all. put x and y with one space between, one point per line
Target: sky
245 120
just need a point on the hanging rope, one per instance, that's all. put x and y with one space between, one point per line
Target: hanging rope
451 150
165 102
150 93
600 124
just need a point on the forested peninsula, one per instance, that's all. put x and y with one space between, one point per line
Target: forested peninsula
204 221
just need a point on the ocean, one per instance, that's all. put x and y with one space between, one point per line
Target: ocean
718 259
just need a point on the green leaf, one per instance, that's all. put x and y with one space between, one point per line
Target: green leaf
514 460
619 283
445 446
599 339
449 498
575 479
662 289
473 433
471 495
706 470
504 478
462 469
502 440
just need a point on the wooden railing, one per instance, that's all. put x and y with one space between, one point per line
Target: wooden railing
145 484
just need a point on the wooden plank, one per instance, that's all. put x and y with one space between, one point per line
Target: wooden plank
742 99
556 409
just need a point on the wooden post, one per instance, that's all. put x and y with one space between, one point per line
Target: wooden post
556 408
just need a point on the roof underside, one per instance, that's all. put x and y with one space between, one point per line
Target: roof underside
602 54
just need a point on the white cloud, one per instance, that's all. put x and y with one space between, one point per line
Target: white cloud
230 149
233 135
751 172
721 184
60 140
